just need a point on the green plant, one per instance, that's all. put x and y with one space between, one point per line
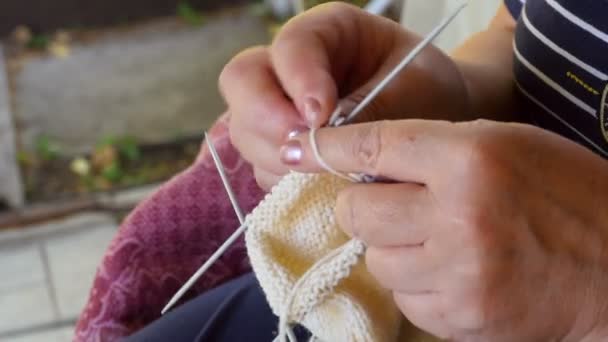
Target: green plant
126 146
25 158
109 158
113 172
46 148
39 42
189 14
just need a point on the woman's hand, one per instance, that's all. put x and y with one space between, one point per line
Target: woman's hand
493 232
334 52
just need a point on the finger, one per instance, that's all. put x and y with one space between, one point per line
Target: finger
328 45
424 312
257 150
255 97
404 269
387 215
266 180
406 150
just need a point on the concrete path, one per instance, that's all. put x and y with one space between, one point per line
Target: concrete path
47 272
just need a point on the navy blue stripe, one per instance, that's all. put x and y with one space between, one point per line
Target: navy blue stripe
549 122
563 107
515 7
568 35
594 12
556 67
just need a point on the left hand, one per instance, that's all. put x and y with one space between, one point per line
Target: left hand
494 231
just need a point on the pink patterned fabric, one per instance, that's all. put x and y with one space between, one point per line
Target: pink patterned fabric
165 240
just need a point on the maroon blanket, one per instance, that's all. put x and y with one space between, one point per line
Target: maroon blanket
164 241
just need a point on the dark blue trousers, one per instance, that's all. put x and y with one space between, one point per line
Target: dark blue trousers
235 311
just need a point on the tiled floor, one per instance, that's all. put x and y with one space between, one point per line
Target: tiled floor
46 276
55 335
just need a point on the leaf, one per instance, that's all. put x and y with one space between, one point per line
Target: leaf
128 148
189 14
24 158
46 148
113 172
39 42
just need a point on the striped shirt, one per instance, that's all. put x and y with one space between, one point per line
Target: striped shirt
561 66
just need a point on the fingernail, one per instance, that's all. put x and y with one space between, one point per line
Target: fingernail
291 152
312 111
296 131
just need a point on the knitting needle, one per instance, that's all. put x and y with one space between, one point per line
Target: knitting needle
215 256
231 240
336 120
225 181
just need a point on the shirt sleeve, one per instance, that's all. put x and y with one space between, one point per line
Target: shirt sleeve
515 7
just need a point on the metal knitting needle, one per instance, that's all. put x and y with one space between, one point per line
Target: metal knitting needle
222 171
215 256
337 120
300 8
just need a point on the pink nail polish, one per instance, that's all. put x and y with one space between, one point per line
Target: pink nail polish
291 153
312 111
296 131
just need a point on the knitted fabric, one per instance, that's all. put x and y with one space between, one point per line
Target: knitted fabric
289 232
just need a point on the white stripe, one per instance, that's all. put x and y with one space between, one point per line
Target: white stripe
560 119
561 51
587 108
578 21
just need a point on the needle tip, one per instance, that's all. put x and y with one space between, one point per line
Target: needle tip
167 307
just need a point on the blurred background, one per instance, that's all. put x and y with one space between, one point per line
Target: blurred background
100 101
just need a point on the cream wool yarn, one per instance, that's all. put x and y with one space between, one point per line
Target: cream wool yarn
290 231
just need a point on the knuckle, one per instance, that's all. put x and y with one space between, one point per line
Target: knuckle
234 70
368 146
477 232
484 147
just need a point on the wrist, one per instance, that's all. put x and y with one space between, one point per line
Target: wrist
491 96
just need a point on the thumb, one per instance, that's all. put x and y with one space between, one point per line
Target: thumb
406 150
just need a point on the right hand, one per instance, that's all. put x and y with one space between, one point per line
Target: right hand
333 54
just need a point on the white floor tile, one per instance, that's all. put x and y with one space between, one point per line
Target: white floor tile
57 335
73 261
25 307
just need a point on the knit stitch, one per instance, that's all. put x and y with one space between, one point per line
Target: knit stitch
289 232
